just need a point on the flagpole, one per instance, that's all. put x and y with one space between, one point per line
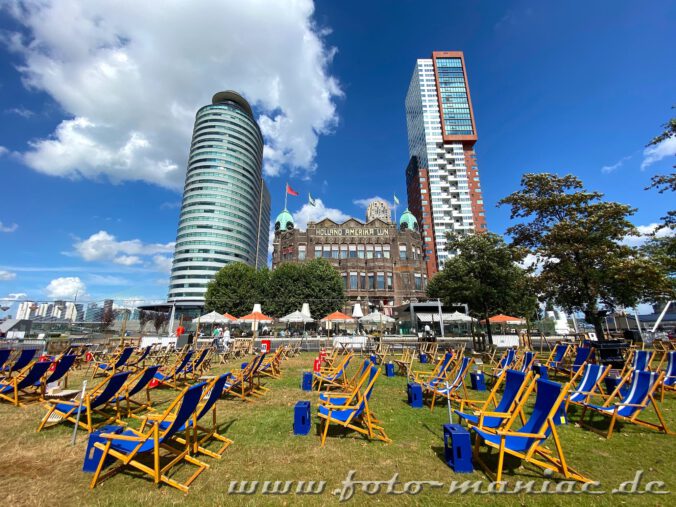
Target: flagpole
286 194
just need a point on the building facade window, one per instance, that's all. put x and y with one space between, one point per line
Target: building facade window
301 252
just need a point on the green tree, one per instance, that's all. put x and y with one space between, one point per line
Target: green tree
236 288
485 275
315 282
577 241
662 182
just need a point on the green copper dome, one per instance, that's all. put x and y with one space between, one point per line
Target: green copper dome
408 221
284 221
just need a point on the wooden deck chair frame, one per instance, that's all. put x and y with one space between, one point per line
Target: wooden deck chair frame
405 362
70 416
596 388
549 461
483 407
551 360
156 472
364 422
22 385
457 378
329 376
420 376
669 373
629 363
614 417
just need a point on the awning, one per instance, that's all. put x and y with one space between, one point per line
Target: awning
434 317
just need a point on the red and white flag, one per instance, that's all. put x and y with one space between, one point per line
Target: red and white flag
290 190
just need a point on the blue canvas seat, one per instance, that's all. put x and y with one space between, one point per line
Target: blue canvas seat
93 403
441 386
590 383
506 361
669 382
526 363
439 372
119 362
22 360
642 386
141 358
127 446
134 386
527 443
582 356
172 377
242 383
557 356
515 382
332 376
353 411
14 389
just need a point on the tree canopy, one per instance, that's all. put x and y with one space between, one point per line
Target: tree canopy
577 240
238 286
235 289
485 275
664 183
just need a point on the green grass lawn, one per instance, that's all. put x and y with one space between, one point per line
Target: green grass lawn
43 468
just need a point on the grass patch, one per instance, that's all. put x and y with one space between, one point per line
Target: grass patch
43 468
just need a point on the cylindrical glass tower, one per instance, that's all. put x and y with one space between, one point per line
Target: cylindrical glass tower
225 214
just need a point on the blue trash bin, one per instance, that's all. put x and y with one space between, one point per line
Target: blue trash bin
458 448
478 380
389 370
93 455
423 358
414 392
301 418
306 381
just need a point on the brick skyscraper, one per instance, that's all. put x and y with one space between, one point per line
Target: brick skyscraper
442 177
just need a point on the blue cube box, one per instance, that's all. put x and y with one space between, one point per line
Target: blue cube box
478 380
414 392
423 358
458 448
389 370
306 381
301 418
93 455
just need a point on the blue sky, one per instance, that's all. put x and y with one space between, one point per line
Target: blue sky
97 107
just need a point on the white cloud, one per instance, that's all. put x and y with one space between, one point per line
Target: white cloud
162 263
368 200
645 232
6 275
108 280
653 154
3 150
310 213
65 288
8 228
16 296
21 111
131 76
127 260
607 169
103 246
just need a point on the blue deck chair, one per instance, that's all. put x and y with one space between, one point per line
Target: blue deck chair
332 377
242 383
129 445
590 383
439 373
63 366
93 403
24 359
527 361
193 368
639 360
142 357
134 386
440 387
27 378
353 411
355 382
669 382
527 443
582 356
641 389
171 379
516 382
110 368
4 356
507 360
557 356
212 393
